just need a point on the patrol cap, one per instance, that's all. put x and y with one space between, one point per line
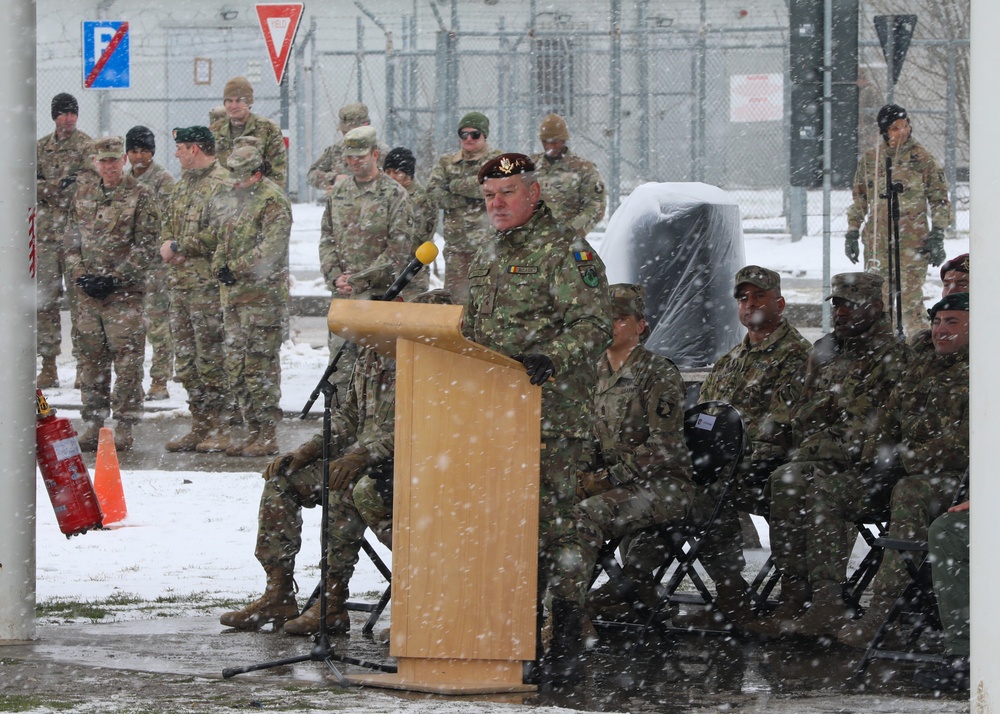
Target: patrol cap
240 88
140 137
955 301
360 141
858 288
959 263
375 279
434 297
244 162
400 159
628 299
506 165
888 115
476 120
553 128
353 116
64 103
758 277
109 147
194 135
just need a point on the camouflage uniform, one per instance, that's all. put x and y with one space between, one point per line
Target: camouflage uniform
425 213
271 144
156 303
572 188
454 187
195 307
844 382
331 163
256 224
948 539
57 160
537 288
111 234
924 189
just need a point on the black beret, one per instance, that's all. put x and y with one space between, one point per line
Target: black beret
64 103
401 159
140 137
194 135
955 301
506 165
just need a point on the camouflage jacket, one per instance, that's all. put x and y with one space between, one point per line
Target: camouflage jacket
454 187
188 220
538 288
157 179
363 225
759 380
57 160
112 234
331 163
367 416
271 144
843 384
572 188
640 418
925 422
425 214
255 225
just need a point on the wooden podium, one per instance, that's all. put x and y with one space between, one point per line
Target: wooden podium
465 507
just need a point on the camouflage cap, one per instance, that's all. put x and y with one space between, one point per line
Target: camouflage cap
109 147
959 263
194 135
858 288
434 297
375 279
628 299
244 162
757 276
216 113
353 116
360 141
506 165
955 301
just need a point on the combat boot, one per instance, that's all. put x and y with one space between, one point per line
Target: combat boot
91 435
562 665
123 435
860 633
338 620
48 377
157 391
827 613
263 440
218 437
795 595
276 605
188 442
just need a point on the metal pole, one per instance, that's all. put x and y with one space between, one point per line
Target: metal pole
17 320
702 91
890 59
359 62
614 187
302 110
643 89
827 150
951 130
503 87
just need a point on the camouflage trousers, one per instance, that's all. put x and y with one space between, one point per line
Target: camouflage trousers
49 288
111 333
253 362
374 508
621 512
948 539
456 273
558 553
913 271
157 307
199 357
916 501
279 521
345 365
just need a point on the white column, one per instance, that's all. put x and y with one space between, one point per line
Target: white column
17 324
985 319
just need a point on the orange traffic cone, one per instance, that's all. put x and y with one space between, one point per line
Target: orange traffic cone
108 479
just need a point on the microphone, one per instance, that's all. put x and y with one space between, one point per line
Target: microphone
424 255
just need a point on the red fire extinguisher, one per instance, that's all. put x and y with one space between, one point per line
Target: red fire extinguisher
65 475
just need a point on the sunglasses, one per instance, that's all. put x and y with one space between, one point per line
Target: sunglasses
474 134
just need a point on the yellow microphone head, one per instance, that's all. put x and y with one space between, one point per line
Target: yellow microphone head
427 252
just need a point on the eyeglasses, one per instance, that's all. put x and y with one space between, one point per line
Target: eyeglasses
474 134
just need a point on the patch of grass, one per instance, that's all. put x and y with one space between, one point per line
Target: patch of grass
25 703
71 610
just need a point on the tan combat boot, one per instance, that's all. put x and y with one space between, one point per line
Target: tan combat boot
123 435
218 437
276 605
827 613
263 440
90 436
48 377
338 620
157 391
188 442
795 595
859 634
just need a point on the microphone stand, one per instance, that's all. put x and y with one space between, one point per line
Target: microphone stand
322 650
892 191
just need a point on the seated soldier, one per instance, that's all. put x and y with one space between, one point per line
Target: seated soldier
361 441
954 279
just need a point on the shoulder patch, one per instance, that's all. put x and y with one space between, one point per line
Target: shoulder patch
583 256
599 188
479 272
663 407
590 276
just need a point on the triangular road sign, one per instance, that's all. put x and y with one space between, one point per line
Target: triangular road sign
278 22
894 34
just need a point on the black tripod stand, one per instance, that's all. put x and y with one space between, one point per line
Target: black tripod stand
891 195
322 650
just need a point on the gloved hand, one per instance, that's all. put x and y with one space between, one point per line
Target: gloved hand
294 460
933 247
278 467
98 286
345 469
592 483
67 182
225 276
851 248
538 366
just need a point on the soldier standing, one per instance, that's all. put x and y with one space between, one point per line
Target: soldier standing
331 167
189 241
537 293
62 156
400 165
924 192
454 187
140 147
571 186
111 239
237 96
251 263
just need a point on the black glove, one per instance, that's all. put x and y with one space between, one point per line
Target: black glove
538 366
67 182
226 276
851 248
98 286
933 247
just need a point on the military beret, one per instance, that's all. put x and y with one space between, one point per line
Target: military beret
955 301
506 165
375 279
140 137
858 288
888 115
553 128
959 263
194 135
240 88
352 116
400 159
360 141
109 147
434 297
757 276
64 103
244 162
476 120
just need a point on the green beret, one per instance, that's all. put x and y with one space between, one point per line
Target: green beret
955 301
194 135
477 120
506 165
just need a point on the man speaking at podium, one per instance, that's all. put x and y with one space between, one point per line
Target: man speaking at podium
539 294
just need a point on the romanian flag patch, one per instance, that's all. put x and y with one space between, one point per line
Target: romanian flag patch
522 269
583 256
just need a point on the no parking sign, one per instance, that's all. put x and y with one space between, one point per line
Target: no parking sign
105 54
